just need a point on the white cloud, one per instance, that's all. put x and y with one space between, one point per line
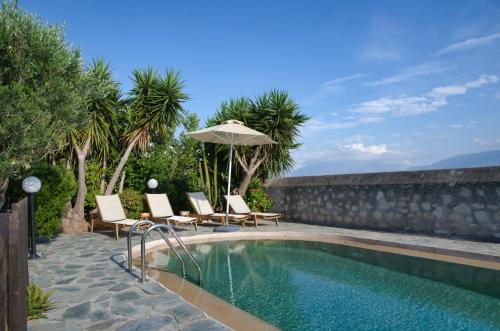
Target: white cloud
383 40
382 53
358 138
487 142
346 156
398 106
372 150
468 124
332 87
339 80
335 86
414 105
314 126
469 43
339 152
410 74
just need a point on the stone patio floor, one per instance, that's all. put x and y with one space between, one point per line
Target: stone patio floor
94 291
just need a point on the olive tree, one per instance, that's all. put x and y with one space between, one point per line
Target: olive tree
40 82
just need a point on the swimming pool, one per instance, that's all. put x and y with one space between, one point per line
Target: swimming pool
301 285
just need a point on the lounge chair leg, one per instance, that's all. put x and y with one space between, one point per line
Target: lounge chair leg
92 226
256 221
195 226
117 230
276 219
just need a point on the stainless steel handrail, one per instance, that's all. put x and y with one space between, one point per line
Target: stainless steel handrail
170 229
157 227
129 245
181 243
129 241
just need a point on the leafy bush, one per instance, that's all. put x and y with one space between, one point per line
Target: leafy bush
93 179
256 198
37 302
133 202
58 187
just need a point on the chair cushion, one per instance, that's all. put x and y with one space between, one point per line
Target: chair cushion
200 203
126 222
182 219
230 215
159 205
266 214
238 205
110 207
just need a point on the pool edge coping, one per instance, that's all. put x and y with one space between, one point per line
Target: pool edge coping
435 253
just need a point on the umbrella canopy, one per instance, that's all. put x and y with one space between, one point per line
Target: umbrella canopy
231 132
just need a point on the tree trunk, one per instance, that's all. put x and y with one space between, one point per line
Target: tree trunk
102 187
119 168
242 189
249 169
3 190
122 182
74 221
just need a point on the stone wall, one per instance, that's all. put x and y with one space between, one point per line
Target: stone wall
461 203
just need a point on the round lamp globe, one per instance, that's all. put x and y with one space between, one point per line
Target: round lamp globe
31 184
152 183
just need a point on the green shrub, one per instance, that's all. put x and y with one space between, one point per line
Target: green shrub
93 180
37 302
256 198
133 202
58 187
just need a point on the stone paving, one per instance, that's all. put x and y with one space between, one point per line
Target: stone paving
94 291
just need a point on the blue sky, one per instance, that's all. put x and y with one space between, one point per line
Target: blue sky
388 84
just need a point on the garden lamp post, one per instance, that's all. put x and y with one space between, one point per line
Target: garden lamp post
31 185
152 184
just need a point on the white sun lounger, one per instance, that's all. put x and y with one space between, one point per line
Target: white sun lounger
239 206
203 210
161 210
112 213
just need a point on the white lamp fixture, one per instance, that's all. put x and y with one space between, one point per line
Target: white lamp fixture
152 183
31 184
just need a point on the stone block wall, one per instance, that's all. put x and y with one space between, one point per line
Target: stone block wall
461 203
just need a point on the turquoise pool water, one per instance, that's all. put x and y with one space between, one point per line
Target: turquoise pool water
298 285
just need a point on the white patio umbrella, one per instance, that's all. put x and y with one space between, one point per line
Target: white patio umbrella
231 133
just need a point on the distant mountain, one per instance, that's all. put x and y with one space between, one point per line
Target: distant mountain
345 167
482 159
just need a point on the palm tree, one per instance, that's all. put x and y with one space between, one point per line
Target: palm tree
156 110
95 134
277 115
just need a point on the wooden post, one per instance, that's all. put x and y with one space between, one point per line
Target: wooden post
14 267
4 260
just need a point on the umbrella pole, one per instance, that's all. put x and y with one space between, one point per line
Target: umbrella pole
229 182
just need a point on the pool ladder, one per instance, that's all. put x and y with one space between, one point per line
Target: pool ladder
160 229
